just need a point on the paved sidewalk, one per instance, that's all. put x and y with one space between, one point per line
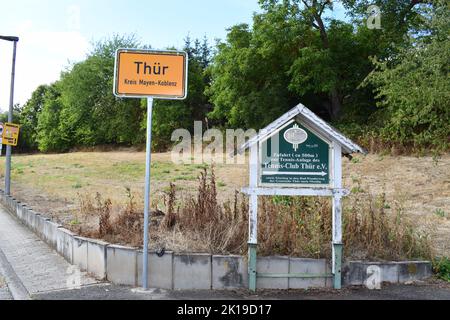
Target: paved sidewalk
4 291
35 264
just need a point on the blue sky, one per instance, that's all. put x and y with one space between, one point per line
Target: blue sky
54 32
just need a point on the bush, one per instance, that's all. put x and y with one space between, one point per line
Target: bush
201 220
441 268
414 90
297 226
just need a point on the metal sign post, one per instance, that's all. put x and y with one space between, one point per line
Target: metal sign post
148 166
10 114
153 75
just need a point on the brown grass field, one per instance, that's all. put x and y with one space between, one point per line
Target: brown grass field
55 184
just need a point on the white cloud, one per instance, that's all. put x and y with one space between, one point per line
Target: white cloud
41 56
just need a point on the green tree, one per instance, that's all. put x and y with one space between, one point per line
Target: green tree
249 85
91 114
49 136
290 55
339 68
29 116
81 110
170 115
414 93
397 17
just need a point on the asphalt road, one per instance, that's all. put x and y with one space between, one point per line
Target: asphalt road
431 290
29 269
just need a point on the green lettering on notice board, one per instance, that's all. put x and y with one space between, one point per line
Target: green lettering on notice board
301 158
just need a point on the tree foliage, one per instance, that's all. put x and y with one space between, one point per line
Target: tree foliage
170 115
80 109
414 94
290 55
391 83
50 136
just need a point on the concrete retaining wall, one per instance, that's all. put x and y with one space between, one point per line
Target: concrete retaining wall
160 270
229 272
414 271
192 271
80 252
40 222
96 258
49 233
309 266
33 219
64 243
272 265
123 265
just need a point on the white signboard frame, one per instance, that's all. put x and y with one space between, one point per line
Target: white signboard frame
338 145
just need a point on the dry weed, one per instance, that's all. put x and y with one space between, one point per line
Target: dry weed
297 226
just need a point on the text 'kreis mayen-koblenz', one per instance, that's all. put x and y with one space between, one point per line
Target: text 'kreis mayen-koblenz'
151 83
149 69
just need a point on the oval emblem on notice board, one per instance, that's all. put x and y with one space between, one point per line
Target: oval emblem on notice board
295 136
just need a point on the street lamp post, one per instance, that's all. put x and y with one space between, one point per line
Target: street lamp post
10 114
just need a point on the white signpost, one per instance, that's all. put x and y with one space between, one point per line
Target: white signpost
150 74
299 154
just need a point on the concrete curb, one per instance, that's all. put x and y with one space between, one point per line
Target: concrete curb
15 285
80 252
123 265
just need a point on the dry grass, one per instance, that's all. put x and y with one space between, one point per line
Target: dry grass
287 225
126 227
220 228
371 233
56 185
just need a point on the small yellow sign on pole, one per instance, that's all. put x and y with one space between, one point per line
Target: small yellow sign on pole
150 73
10 134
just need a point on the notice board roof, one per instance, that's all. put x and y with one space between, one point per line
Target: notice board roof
308 117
